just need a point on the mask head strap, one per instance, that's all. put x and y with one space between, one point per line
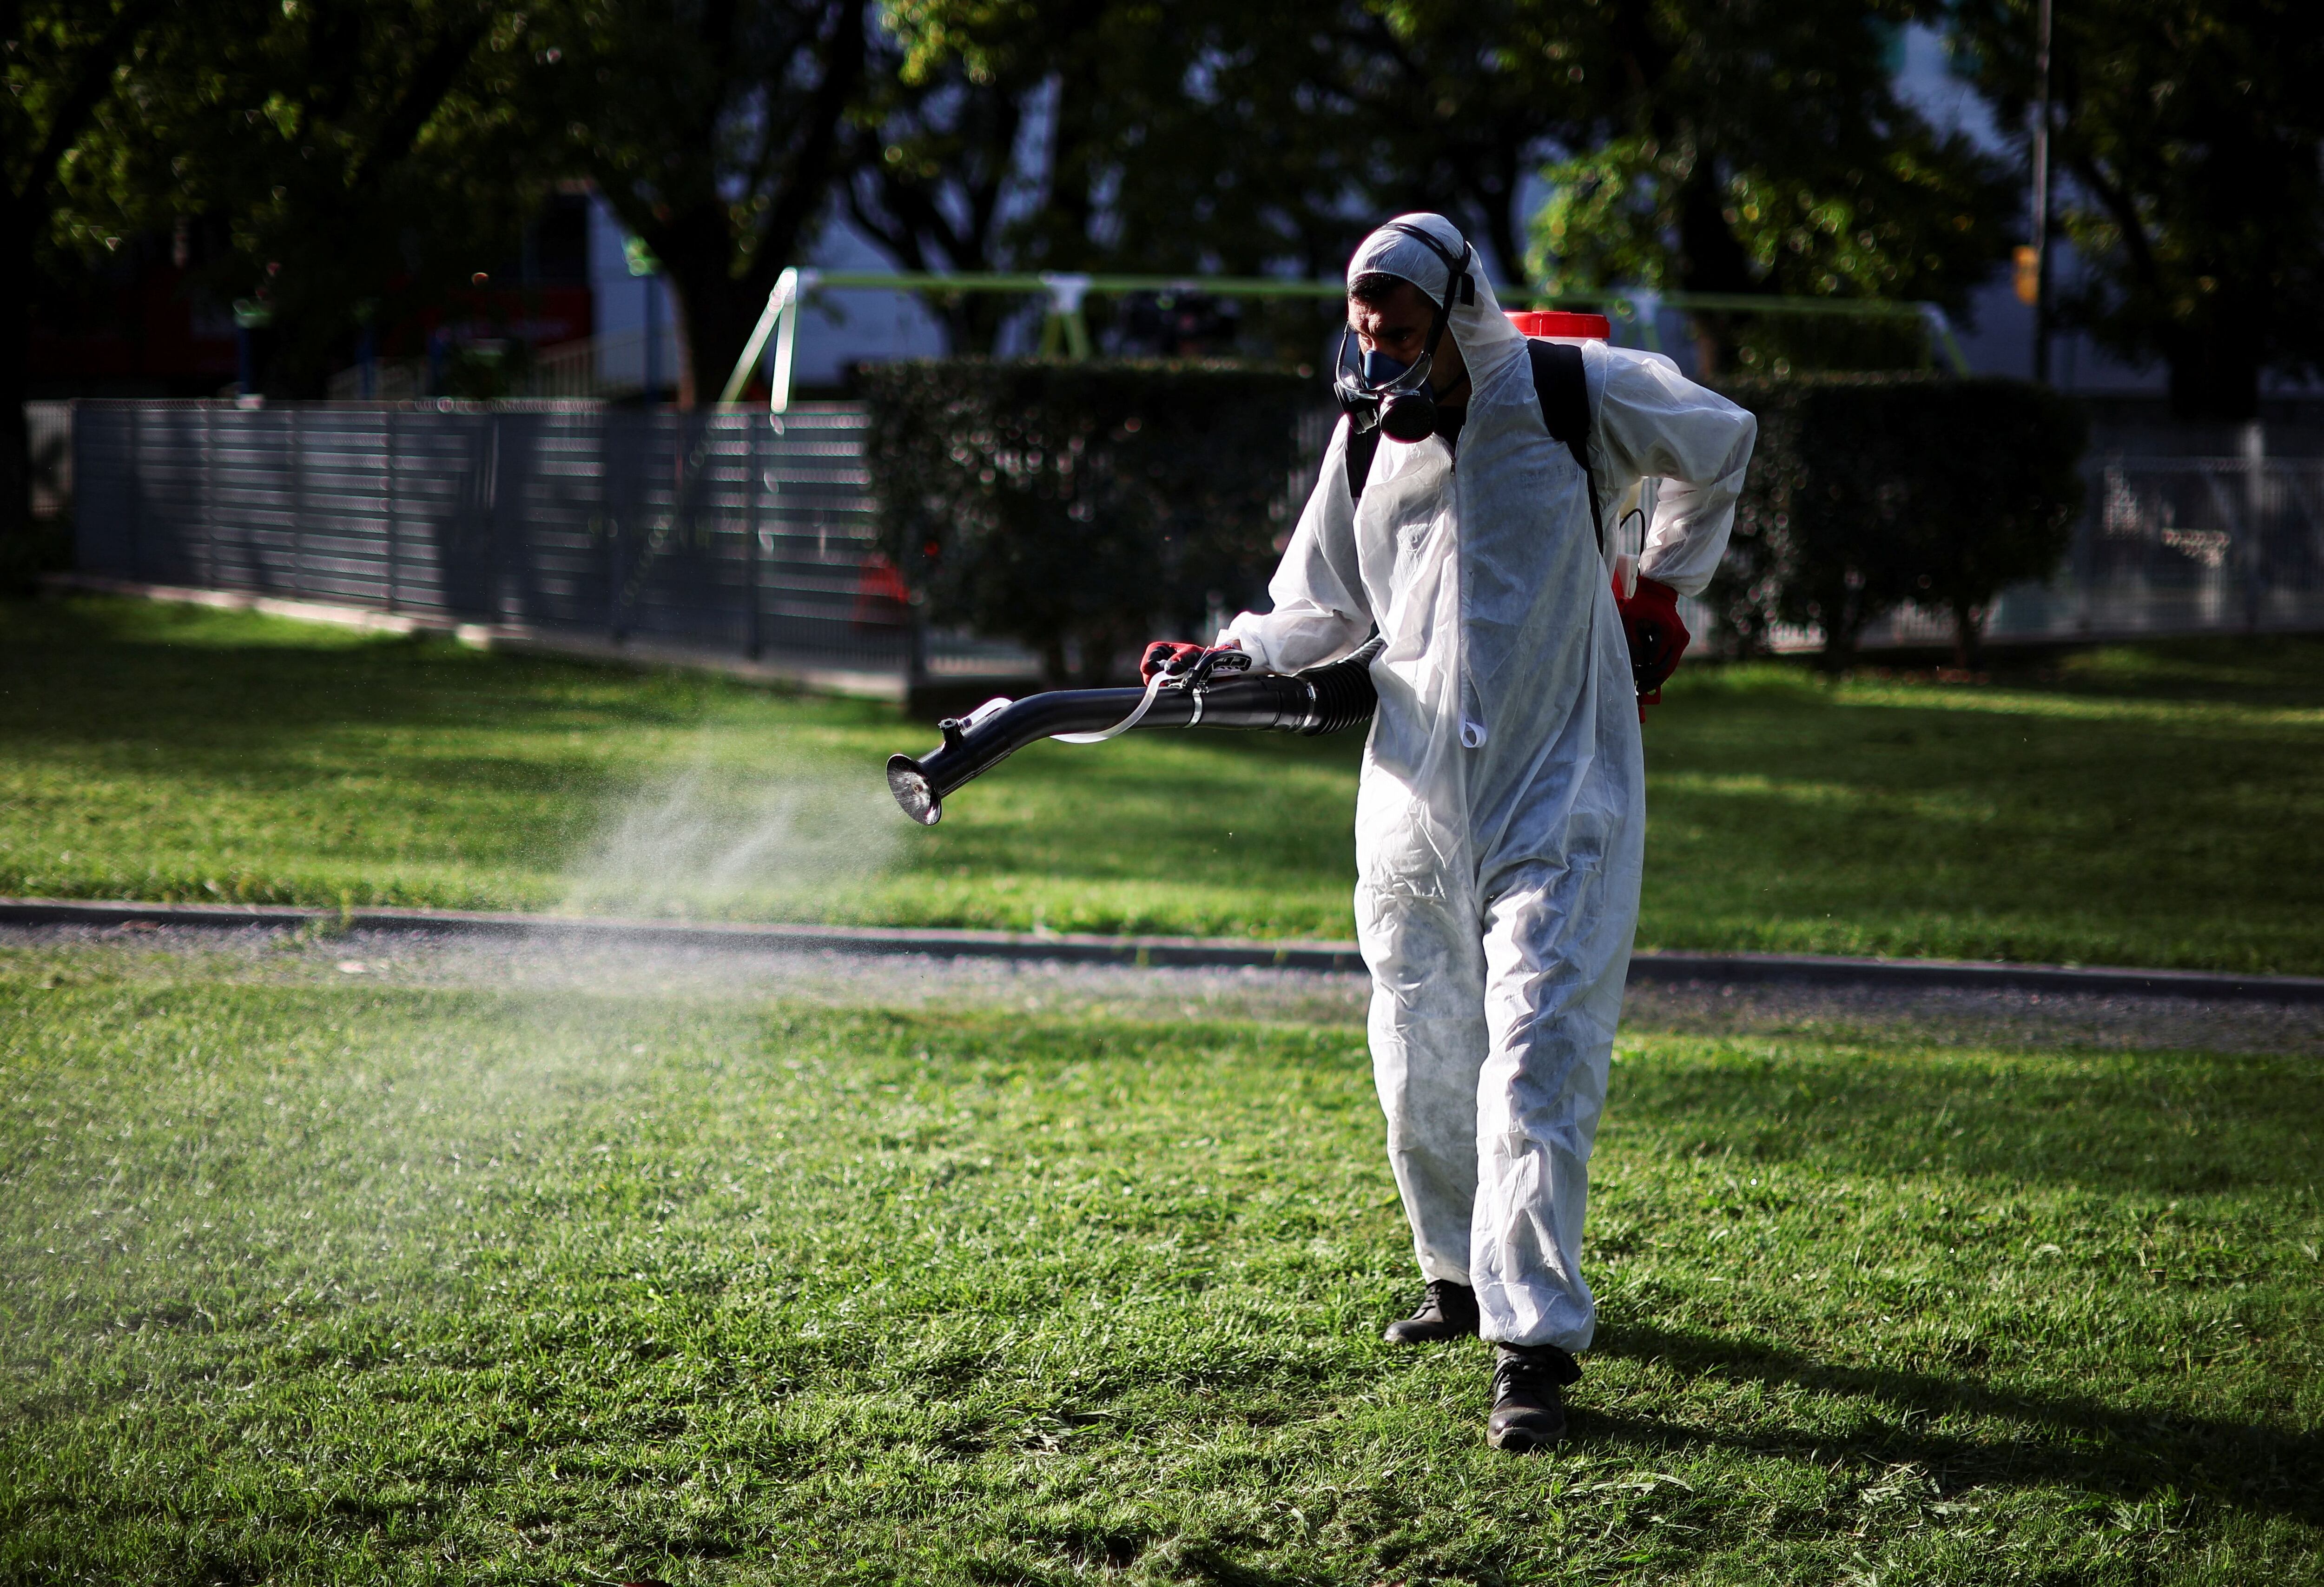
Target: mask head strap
1459 285
1363 403
1459 282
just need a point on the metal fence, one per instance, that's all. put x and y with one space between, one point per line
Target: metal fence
48 439
2169 545
737 531
753 535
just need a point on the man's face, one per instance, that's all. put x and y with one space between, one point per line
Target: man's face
1398 328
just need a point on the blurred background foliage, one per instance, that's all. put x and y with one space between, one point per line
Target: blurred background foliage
1870 491
333 162
2187 137
1051 503
330 155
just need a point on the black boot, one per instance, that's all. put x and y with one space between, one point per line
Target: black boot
1448 1311
1528 1410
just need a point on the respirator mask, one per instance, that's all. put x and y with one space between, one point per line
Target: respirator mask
1375 390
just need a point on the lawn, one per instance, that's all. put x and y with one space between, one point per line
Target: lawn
2157 805
308 1278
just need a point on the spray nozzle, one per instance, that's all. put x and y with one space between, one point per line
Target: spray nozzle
954 728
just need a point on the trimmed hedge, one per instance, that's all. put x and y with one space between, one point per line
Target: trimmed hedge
1098 500
1107 501
1868 492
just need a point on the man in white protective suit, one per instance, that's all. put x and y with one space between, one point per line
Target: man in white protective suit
1500 825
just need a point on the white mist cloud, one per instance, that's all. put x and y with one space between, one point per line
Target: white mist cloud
740 830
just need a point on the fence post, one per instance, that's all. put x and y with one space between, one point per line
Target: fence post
615 484
394 569
753 642
495 559
208 506
298 507
2251 548
2095 508
136 496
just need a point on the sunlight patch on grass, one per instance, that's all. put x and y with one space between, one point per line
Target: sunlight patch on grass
1827 795
2005 702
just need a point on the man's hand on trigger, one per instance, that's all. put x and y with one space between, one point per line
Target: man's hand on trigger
1167 655
1179 660
1657 638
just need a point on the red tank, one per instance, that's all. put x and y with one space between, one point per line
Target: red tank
1558 325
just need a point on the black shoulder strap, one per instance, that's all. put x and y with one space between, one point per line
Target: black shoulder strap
1564 392
1361 443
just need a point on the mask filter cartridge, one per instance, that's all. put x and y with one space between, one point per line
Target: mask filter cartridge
1408 416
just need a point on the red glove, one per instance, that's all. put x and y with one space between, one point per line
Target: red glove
1650 622
1167 655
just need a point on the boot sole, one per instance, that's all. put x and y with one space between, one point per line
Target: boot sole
1521 1439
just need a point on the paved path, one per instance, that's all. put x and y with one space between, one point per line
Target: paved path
749 965
1653 968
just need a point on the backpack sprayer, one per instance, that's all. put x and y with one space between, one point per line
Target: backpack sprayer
1219 690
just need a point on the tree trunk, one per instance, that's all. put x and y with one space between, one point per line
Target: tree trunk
1844 621
716 311
2214 377
1969 632
1711 261
15 348
1100 643
1498 194
716 316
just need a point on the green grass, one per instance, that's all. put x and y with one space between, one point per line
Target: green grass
2159 805
2155 805
351 1282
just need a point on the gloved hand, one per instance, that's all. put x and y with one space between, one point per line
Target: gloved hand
1650 622
1167 655
1177 657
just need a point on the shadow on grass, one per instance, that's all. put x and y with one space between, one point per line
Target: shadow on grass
204 682
2141 1124
2274 670
2122 1452
2280 671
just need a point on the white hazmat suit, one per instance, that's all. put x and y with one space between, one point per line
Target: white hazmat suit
1500 825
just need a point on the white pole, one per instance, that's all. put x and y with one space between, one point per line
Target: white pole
778 381
779 315
2041 193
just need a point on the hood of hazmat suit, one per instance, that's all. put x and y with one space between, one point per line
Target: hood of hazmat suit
1500 824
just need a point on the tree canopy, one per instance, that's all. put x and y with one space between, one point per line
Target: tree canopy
1748 147
717 130
359 157
2189 136
1719 146
60 65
